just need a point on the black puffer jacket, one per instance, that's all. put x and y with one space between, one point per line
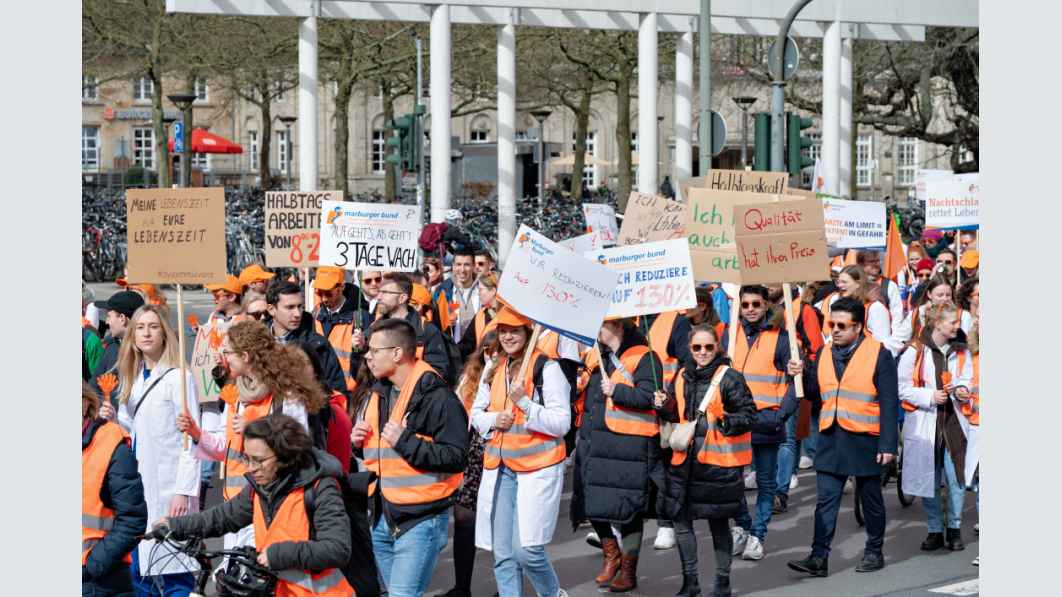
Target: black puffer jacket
123 492
707 490
331 549
329 362
618 477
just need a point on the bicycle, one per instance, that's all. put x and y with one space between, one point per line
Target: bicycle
243 572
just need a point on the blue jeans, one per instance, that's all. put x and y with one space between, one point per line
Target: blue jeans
510 558
935 516
163 585
788 459
408 562
812 441
765 457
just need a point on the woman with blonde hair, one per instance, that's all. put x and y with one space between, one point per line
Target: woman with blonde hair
853 283
149 404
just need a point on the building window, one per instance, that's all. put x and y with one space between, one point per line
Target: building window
480 137
282 151
202 91
144 147
201 160
142 88
815 153
521 136
254 150
589 172
379 151
90 149
864 154
907 161
88 88
280 91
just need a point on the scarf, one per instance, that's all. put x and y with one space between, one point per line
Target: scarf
250 390
843 354
948 429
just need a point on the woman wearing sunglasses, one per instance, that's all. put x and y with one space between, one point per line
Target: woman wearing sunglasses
853 283
433 269
704 481
705 314
938 291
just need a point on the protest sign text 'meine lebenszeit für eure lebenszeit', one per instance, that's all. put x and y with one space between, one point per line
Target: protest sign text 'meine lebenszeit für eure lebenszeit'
358 236
293 227
176 236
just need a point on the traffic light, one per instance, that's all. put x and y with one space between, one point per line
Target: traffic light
762 151
795 143
404 159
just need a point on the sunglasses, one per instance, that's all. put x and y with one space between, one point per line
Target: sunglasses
924 276
257 315
328 293
375 280
978 293
840 326
967 243
482 262
753 304
220 293
704 347
946 261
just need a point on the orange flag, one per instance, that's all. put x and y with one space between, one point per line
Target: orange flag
894 259
850 257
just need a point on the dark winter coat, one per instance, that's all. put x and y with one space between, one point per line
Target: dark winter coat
106 364
332 370
678 344
346 315
706 490
331 549
618 477
123 492
428 336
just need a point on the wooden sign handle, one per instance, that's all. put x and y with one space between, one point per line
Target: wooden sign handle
735 321
306 285
180 344
529 349
790 326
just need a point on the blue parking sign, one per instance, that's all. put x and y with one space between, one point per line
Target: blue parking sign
178 137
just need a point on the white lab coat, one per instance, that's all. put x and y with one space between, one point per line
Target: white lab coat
212 443
920 426
905 330
164 467
539 494
896 338
877 324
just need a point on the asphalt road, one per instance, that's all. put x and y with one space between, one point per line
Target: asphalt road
908 571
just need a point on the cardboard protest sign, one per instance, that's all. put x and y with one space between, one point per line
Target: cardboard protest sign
781 241
953 205
207 343
582 244
601 219
653 277
924 176
360 236
293 227
709 232
566 293
176 236
859 224
650 218
773 183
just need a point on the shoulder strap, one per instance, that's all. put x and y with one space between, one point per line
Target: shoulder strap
619 367
152 387
712 389
540 364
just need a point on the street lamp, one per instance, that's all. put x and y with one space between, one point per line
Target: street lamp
744 103
183 101
288 121
166 122
541 116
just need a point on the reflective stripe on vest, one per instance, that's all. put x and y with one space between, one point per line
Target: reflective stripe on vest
625 420
659 336
401 482
97 519
852 402
767 384
972 409
291 524
340 339
235 462
713 448
520 449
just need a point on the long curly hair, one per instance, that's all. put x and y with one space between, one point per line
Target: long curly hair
469 385
277 366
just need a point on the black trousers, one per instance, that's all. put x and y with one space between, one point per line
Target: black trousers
830 488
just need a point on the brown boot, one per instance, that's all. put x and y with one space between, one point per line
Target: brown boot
627 578
611 565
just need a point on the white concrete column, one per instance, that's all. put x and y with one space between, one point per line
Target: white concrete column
440 112
307 122
831 101
506 140
845 155
684 105
648 129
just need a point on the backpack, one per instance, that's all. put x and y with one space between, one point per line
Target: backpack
317 422
431 236
360 570
571 370
453 354
885 290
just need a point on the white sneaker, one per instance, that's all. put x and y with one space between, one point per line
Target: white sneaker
750 481
977 529
562 593
569 463
847 486
794 483
806 463
753 550
665 538
740 537
593 540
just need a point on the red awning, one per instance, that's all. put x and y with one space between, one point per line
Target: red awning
204 142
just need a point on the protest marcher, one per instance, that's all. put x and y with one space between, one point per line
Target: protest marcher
433 269
924 271
255 279
704 481
761 355
907 277
523 460
933 241
370 290
149 406
339 319
871 262
289 322
285 473
91 347
91 311
415 438
720 300
484 262
460 291
968 297
334 413
113 510
254 306
968 238
948 263
810 352
705 314
120 308
619 476
937 291
854 379
972 410
853 283
935 377
481 324
970 264
226 301
395 294
148 292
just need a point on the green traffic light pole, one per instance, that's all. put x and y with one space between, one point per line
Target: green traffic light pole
778 91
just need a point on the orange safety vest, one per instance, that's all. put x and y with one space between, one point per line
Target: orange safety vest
520 449
659 335
628 421
720 330
767 384
238 317
481 323
972 408
291 524
548 346
852 402
916 374
235 461
717 449
342 342
97 519
591 360
403 484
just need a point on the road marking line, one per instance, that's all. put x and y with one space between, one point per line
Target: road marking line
967 587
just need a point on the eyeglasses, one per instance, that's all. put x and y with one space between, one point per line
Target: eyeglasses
375 280
946 261
390 292
257 315
924 276
753 304
258 464
328 293
220 293
511 332
228 352
841 326
373 350
872 261
704 347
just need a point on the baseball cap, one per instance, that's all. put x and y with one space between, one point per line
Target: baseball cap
970 259
508 316
125 302
328 277
421 295
232 284
254 273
